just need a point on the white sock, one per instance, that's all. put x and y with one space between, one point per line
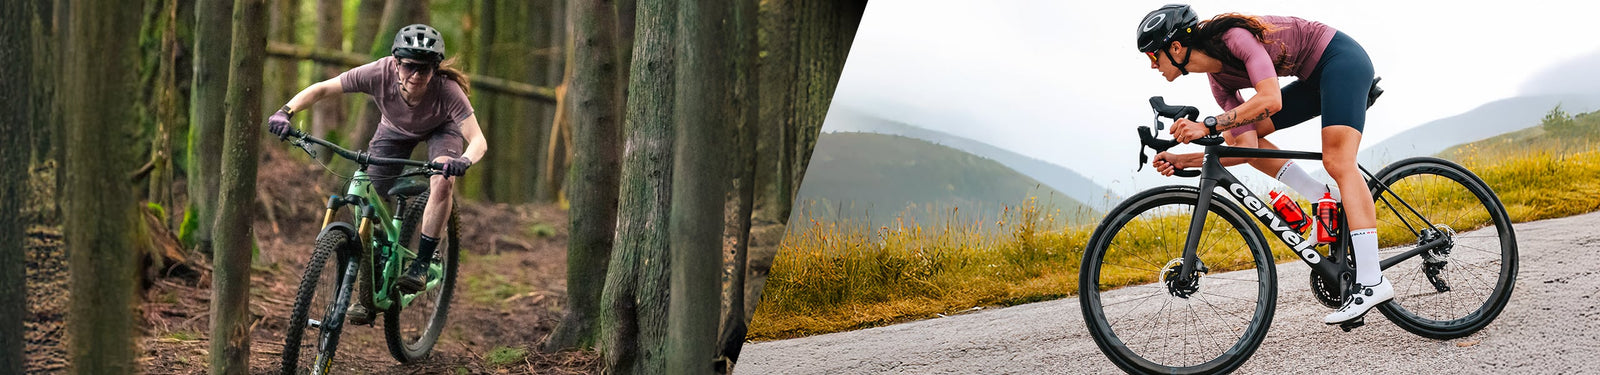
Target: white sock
1365 244
1298 179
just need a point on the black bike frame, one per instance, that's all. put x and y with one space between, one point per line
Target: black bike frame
1214 175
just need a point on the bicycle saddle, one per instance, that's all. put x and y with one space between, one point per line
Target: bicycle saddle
1374 92
409 187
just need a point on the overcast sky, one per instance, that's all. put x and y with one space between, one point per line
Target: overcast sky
1061 80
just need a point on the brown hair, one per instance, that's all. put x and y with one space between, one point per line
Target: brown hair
448 70
1208 38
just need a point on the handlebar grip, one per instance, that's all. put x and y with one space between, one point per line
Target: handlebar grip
1159 104
1186 173
436 166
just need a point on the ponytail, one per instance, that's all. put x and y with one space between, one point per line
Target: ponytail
448 70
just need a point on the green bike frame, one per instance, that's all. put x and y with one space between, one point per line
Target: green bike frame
385 247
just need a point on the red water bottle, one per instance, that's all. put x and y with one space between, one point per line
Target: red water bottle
1327 218
1290 211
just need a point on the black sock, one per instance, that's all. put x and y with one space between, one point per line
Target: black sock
425 247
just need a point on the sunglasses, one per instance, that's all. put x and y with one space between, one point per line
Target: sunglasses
419 67
1152 56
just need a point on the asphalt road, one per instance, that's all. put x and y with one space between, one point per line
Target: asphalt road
1552 325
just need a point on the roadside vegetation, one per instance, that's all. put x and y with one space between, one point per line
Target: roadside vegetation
832 276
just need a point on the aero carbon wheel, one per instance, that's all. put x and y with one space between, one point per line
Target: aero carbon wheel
319 286
413 323
1459 288
1147 317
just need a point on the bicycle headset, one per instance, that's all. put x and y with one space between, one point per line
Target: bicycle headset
1159 28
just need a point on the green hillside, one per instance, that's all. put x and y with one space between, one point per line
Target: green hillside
1558 132
878 177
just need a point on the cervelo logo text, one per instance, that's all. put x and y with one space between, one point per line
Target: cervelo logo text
1151 23
1290 238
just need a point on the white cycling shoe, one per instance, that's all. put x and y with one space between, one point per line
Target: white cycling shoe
1369 296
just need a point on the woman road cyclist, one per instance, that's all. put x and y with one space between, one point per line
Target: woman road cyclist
415 107
1334 74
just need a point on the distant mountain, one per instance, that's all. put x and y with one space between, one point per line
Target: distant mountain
1062 179
879 176
1497 117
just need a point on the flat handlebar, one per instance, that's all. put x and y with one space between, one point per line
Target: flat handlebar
301 138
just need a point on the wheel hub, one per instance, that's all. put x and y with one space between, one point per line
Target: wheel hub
1178 285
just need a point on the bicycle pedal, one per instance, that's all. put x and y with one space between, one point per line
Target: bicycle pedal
313 323
1353 324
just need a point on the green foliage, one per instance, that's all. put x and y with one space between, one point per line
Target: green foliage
502 356
1559 123
541 230
156 209
186 229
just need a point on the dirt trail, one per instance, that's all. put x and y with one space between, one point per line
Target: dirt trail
1552 325
509 295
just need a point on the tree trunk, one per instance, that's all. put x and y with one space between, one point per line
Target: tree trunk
555 74
206 115
593 178
328 113
699 184
740 203
627 18
396 14
778 70
285 82
16 70
807 44
230 282
634 304
159 104
99 85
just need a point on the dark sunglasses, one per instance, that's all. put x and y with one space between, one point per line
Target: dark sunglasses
419 67
1152 56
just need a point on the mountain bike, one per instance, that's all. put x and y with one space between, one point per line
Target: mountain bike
366 255
1177 280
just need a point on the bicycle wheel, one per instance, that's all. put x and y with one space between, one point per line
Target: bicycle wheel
411 330
1454 290
314 282
412 219
1144 318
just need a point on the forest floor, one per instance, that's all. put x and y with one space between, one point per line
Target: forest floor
509 294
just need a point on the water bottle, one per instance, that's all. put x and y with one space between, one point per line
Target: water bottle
1327 218
1290 211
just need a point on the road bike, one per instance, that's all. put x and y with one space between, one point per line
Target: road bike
367 248
1178 280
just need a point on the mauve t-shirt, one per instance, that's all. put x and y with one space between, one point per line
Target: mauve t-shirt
1301 41
443 104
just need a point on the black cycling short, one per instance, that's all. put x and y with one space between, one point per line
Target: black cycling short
1336 90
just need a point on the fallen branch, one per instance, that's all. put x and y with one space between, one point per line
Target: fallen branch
335 57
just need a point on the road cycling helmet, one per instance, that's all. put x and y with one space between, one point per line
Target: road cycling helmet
418 42
1162 26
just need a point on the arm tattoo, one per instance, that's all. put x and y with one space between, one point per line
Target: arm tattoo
1229 120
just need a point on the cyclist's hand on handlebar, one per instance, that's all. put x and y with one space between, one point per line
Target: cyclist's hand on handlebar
1168 163
278 124
1184 131
457 166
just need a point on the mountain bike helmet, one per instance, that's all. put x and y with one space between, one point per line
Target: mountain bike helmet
1171 22
418 42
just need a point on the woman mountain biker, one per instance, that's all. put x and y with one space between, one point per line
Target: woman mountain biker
1334 74
415 107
